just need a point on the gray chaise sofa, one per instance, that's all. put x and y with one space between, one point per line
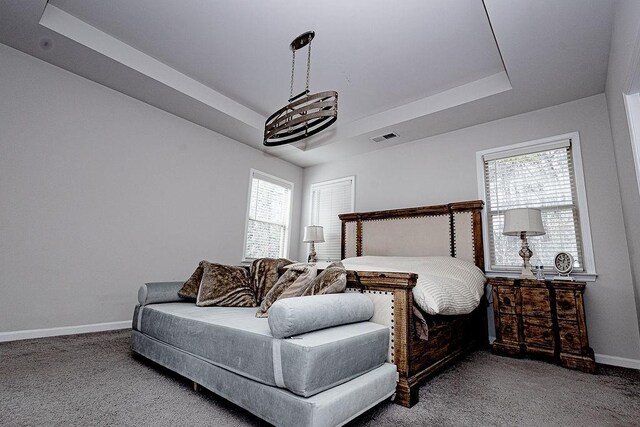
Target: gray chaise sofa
272 367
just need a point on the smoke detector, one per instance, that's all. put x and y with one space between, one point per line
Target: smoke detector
385 137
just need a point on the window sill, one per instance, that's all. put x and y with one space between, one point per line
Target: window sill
583 277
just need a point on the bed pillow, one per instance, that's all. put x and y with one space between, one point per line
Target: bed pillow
292 283
332 280
264 274
225 285
295 316
190 288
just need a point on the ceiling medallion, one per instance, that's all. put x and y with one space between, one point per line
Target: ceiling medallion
305 114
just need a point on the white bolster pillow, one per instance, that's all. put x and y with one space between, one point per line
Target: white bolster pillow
158 292
295 316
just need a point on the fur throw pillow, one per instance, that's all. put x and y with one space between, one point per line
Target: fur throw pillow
264 274
190 288
292 283
225 285
331 280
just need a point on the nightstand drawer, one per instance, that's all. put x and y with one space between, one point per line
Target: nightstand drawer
535 301
508 328
543 321
538 331
507 300
570 338
566 304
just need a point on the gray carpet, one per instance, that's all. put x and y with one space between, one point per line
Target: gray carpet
93 380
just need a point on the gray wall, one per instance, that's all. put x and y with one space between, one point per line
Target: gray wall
626 34
443 169
100 193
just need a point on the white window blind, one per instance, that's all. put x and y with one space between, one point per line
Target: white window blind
268 217
541 177
328 200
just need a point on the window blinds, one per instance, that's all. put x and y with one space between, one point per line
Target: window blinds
268 219
328 200
538 177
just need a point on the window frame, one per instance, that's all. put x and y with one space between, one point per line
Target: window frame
589 274
315 185
255 173
632 108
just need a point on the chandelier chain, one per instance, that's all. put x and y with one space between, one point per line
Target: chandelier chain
308 65
293 68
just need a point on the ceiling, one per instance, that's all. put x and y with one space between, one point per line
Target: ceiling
413 67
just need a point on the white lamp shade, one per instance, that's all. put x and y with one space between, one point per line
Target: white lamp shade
313 233
524 220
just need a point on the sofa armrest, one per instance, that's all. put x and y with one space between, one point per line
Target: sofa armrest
157 292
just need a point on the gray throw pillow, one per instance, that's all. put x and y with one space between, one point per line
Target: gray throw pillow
225 285
331 280
292 283
264 274
190 288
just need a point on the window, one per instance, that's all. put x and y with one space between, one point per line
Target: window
545 174
328 200
267 233
632 105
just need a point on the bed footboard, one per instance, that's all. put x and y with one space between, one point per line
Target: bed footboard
450 337
393 299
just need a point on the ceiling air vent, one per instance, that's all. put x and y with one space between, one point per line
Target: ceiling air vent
385 137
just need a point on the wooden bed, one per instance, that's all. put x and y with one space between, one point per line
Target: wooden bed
453 229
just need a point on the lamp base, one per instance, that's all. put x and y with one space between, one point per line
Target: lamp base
527 274
526 254
313 257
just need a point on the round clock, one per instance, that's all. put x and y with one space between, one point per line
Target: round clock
563 262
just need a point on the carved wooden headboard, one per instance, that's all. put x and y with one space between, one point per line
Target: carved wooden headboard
453 229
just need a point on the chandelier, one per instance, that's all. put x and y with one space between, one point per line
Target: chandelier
306 114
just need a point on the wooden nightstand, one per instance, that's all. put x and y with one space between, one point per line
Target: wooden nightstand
543 319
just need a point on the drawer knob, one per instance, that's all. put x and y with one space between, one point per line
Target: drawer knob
507 329
569 336
566 305
506 300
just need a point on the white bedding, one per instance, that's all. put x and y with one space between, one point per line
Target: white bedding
445 285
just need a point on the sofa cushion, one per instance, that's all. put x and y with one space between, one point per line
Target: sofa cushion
292 283
225 285
234 339
294 316
264 274
331 280
190 288
279 407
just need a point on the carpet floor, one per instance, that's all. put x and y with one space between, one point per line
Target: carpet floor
94 380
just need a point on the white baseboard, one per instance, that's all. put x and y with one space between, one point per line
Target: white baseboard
65 330
617 361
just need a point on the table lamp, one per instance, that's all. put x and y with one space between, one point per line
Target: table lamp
524 222
313 234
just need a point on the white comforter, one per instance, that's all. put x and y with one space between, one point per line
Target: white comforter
445 285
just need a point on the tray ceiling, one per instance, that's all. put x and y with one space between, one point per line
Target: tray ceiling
417 68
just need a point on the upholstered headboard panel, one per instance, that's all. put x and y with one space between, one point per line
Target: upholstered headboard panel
453 229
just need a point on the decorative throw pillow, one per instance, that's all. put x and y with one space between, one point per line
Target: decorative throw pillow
225 285
264 274
190 288
296 278
332 280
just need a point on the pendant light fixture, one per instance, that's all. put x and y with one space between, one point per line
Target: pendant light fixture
306 114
